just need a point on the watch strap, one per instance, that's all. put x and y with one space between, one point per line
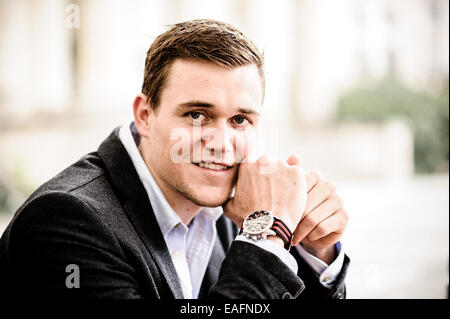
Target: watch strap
280 228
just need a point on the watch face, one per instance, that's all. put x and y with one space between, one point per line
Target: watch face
258 222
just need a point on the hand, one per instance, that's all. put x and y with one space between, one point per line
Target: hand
324 219
266 185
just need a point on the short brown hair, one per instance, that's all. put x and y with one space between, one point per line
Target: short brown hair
207 40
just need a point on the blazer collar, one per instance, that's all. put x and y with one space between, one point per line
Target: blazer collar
138 207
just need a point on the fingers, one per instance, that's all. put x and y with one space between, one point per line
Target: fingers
313 219
336 224
318 194
324 242
313 178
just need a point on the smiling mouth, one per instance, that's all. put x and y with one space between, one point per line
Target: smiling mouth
213 166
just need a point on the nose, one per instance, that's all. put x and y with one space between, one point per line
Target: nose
219 142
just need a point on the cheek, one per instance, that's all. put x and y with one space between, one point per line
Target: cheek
173 142
245 145
161 147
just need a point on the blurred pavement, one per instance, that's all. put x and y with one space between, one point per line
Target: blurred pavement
397 238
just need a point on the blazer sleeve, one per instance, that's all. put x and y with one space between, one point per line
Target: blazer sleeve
313 288
56 230
250 272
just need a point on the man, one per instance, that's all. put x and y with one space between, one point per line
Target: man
151 213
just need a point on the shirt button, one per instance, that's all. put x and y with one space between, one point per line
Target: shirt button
286 295
175 253
325 279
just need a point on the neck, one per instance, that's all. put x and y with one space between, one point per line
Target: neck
184 208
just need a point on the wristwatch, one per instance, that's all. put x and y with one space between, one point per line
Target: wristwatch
262 223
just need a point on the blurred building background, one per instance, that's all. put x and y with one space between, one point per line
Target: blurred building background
357 88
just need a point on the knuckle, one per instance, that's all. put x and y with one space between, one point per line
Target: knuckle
337 202
321 230
345 215
342 219
266 166
330 186
310 221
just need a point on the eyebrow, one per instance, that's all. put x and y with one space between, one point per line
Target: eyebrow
209 105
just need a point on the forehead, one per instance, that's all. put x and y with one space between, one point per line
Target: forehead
220 86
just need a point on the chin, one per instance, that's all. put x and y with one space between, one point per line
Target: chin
209 196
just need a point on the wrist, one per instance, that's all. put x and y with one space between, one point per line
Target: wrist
276 240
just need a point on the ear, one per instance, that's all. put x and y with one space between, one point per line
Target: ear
142 112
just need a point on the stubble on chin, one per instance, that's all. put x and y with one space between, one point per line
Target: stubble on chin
195 197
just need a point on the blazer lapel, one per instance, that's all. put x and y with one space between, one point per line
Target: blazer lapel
226 232
212 271
138 207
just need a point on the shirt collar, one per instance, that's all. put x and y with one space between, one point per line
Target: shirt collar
166 217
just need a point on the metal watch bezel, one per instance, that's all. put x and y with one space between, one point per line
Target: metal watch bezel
263 233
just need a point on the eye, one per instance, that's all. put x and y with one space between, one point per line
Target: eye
194 115
241 120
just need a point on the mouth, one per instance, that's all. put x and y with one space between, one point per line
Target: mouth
214 166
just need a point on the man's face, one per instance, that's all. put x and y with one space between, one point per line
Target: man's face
203 125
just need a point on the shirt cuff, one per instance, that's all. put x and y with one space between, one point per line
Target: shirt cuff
327 273
275 249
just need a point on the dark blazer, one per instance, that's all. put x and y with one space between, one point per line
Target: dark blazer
96 215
